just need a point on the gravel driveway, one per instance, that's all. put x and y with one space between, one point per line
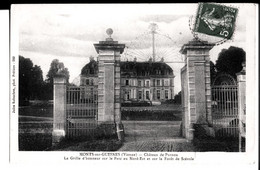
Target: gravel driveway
163 136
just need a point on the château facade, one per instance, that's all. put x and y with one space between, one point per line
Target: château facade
140 81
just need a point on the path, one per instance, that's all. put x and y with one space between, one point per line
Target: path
154 136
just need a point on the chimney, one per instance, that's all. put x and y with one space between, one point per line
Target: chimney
162 59
91 58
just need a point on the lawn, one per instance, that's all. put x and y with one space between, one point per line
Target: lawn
141 123
216 145
35 134
35 126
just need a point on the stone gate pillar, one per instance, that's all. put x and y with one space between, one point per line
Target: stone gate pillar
241 89
109 106
59 108
196 89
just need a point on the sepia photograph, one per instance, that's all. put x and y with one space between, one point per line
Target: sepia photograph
137 82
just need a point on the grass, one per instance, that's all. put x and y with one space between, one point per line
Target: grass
35 130
34 141
34 135
216 144
37 136
38 111
105 144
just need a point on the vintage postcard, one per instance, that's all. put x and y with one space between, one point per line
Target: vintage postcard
134 83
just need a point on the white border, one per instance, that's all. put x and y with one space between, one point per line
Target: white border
208 160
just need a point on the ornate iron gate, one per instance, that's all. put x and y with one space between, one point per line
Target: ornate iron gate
225 106
81 111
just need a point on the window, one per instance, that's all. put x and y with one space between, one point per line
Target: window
126 82
147 83
147 95
91 92
158 94
83 81
166 82
153 82
158 82
139 83
87 81
91 71
91 82
140 95
134 82
128 95
166 94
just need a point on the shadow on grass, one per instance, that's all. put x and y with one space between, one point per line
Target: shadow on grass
34 141
216 144
43 142
97 144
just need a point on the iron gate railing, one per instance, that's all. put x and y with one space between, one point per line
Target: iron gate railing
225 110
81 111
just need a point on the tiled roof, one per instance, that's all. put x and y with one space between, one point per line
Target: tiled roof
132 67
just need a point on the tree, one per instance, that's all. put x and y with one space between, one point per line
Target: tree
177 98
230 60
30 80
36 82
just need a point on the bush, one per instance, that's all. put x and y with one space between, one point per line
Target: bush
150 115
136 103
170 101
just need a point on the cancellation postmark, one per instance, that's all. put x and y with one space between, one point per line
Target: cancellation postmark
214 22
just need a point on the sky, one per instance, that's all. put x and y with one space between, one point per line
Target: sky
68 32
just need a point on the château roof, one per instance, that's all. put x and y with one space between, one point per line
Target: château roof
133 68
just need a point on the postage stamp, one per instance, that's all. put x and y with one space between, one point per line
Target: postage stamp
215 20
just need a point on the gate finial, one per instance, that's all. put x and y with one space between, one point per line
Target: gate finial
109 32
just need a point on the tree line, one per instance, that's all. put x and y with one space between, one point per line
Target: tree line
32 86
